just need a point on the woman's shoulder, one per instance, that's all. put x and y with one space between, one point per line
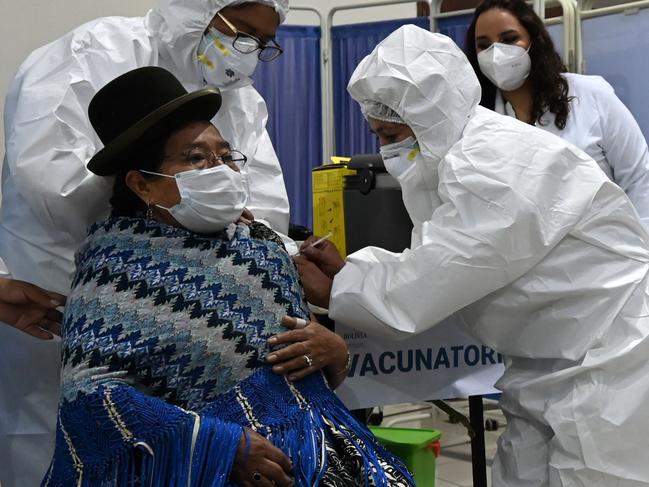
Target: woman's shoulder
121 226
128 231
589 85
262 232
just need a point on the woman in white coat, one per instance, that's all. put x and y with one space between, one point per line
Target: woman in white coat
522 75
49 197
541 256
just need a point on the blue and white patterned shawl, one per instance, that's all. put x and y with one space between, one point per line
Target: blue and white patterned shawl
165 334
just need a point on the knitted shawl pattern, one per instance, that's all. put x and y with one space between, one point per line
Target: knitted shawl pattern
164 340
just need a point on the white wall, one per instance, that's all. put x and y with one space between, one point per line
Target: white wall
28 24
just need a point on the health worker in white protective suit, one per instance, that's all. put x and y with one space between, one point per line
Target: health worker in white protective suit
541 256
49 198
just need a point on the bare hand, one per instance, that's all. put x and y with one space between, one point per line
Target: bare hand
325 255
246 217
30 308
317 285
323 347
260 458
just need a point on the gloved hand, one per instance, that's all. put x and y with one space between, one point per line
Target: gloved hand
30 308
325 255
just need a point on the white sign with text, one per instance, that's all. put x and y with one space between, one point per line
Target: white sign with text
441 363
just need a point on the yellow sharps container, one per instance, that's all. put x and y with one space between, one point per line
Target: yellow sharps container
328 201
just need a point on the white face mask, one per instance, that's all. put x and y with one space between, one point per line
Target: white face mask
505 65
418 181
399 156
221 64
210 199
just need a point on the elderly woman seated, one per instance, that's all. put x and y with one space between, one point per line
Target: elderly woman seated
175 314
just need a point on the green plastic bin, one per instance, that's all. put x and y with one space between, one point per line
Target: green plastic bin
418 448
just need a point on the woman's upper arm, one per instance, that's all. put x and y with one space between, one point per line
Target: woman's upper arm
625 148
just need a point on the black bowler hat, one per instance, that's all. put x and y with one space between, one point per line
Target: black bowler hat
139 106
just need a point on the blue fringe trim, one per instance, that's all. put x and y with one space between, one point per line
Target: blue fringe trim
302 426
214 452
155 447
164 449
311 447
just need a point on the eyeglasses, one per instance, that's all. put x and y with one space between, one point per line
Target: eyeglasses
199 158
247 44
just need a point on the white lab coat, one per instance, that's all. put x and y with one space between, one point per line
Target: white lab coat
601 126
49 198
541 256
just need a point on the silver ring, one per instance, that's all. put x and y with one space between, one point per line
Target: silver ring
300 323
308 360
256 476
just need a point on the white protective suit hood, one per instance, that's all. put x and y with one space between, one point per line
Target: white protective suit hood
180 24
435 92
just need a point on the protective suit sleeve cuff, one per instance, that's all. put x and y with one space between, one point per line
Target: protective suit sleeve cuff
4 272
347 305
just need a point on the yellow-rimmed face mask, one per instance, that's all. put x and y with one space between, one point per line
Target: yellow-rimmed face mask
417 177
221 64
399 156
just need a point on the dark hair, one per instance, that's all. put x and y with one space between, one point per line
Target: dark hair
549 88
124 201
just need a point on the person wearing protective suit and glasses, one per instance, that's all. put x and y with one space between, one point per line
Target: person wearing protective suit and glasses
541 256
49 197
